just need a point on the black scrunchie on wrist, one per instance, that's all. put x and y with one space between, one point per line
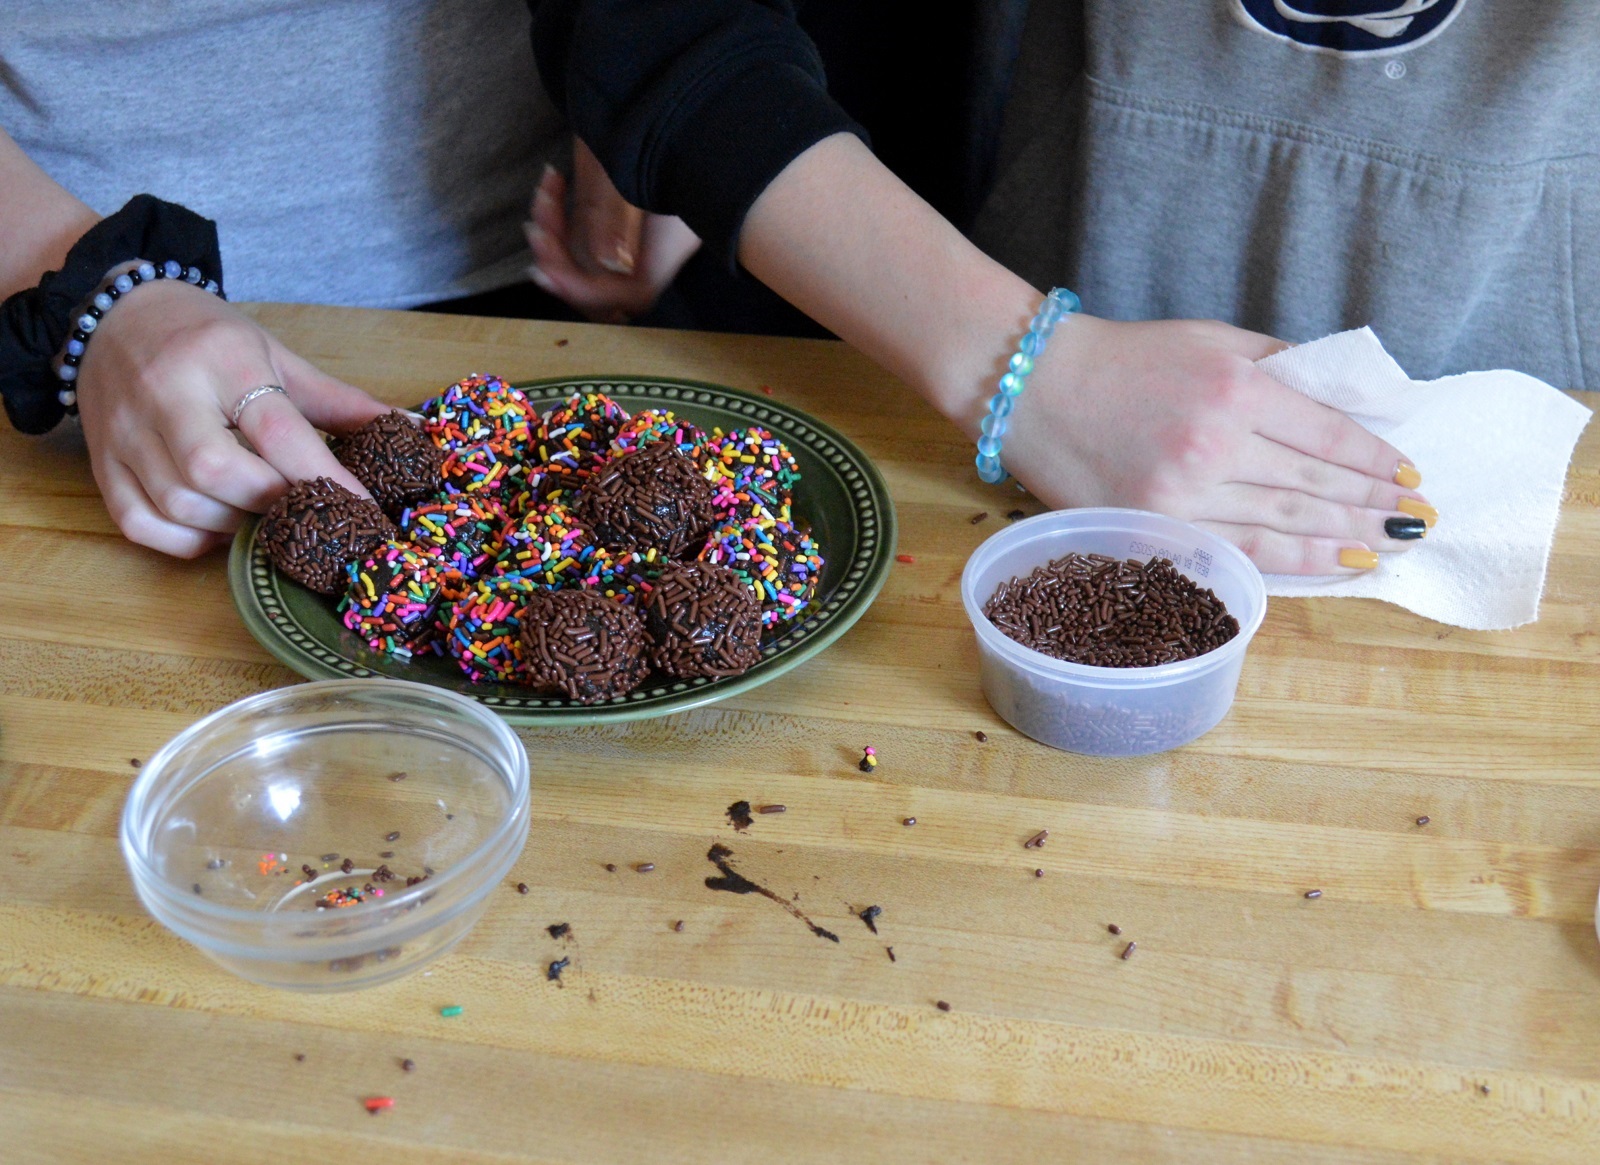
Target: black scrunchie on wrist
34 323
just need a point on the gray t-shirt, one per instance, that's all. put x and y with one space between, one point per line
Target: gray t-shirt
1429 167
379 153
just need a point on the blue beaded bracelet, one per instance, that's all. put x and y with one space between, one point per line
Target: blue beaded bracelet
103 301
1058 303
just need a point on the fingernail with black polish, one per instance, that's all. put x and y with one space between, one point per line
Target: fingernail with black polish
1405 528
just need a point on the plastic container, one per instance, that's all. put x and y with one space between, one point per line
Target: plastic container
1111 711
239 827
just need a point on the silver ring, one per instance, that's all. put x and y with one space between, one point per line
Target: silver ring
262 390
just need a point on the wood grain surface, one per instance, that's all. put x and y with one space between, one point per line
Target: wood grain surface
1439 1003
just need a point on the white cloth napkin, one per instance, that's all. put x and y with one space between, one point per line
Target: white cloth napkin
1492 448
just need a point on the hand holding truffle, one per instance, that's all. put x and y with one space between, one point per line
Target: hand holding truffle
156 391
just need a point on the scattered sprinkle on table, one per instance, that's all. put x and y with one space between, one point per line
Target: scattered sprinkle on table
347 866
942 1005
1038 873
522 887
891 953
397 776
299 1057
1313 893
134 762
553 971
773 809
978 517
451 1011
904 558
386 854
1113 928
678 926
909 821
981 736
644 867
394 836
330 857
562 343
869 759
1037 840
408 1065
1422 820
1483 1088
197 889
1015 514
611 867
215 864
870 917
1128 950
767 388
376 1104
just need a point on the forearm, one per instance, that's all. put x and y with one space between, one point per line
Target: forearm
39 221
852 246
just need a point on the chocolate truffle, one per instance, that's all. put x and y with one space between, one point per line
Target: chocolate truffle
394 596
574 440
394 459
648 426
650 498
703 620
752 474
481 631
489 471
781 564
317 529
581 646
467 530
478 410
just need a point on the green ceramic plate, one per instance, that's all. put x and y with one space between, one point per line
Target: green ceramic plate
841 496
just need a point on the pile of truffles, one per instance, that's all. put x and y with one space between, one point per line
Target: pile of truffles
575 552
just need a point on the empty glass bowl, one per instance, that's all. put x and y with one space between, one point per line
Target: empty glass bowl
332 835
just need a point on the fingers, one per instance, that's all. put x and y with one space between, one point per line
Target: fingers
285 440
1275 465
1292 512
169 488
138 518
326 401
1275 552
605 227
1297 421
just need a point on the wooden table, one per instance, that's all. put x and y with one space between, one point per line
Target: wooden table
1439 1002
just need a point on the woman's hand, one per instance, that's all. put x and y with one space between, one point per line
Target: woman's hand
605 258
1172 416
156 392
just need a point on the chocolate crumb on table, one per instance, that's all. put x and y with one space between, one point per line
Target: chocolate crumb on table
870 917
739 815
559 929
408 1065
553 972
347 865
890 950
1013 515
562 343
197 889
299 1057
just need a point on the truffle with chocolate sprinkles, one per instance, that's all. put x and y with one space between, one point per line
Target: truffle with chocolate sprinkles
582 646
394 459
313 532
703 620
652 497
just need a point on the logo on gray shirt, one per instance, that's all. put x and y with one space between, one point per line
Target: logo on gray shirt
1349 27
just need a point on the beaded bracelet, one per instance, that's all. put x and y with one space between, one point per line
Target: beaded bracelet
103 301
1060 302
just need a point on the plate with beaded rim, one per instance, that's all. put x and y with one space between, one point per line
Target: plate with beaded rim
841 497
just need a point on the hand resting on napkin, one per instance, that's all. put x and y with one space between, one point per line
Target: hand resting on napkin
1493 448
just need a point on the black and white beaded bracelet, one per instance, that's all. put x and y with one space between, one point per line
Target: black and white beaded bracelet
102 302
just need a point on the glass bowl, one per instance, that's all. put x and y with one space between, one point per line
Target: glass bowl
1111 711
332 835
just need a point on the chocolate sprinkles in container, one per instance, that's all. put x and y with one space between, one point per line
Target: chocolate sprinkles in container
1111 632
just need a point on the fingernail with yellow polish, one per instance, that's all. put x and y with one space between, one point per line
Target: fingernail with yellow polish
1354 558
1406 476
1417 509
